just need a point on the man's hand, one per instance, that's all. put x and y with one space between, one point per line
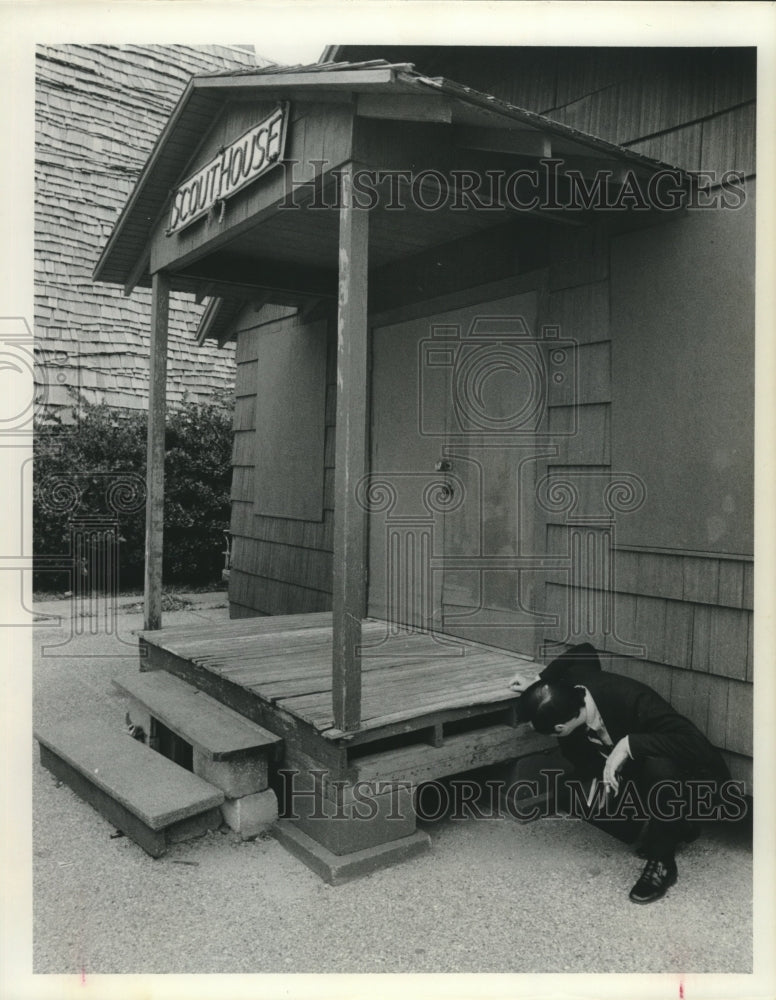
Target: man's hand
520 682
614 763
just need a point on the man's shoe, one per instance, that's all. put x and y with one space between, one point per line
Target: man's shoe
657 877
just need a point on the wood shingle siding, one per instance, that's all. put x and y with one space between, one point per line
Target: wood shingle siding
628 96
692 614
279 565
99 109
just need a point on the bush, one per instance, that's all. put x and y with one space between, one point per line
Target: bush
88 471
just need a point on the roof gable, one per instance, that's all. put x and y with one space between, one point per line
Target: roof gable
375 89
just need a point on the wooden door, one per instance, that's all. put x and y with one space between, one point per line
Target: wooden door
406 527
458 399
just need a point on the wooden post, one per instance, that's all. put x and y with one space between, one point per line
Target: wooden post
351 461
157 406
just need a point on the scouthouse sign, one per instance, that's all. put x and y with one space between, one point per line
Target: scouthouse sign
234 167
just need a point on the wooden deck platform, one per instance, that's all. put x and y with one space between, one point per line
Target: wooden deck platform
416 686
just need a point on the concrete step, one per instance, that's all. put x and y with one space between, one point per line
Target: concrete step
148 797
215 731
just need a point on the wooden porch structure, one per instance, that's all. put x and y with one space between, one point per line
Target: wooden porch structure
431 707
308 240
350 556
419 691
357 697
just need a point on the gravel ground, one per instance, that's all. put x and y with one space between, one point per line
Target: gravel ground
492 896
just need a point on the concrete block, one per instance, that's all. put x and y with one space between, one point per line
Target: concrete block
336 869
529 785
356 818
194 826
252 814
235 777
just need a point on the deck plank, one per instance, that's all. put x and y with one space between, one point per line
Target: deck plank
316 710
412 677
238 626
407 674
287 645
273 673
398 679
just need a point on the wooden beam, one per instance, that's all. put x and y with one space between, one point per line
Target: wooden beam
350 569
522 142
611 170
310 312
256 274
235 290
208 318
405 107
248 293
456 196
137 272
203 292
242 97
157 407
227 333
364 79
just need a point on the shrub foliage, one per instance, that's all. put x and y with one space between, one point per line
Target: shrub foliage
93 471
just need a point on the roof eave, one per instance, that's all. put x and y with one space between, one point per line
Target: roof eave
226 84
161 141
335 80
360 79
540 122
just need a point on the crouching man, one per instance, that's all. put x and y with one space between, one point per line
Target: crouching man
616 730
